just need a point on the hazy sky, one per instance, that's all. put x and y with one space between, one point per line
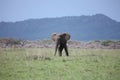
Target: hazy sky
17 10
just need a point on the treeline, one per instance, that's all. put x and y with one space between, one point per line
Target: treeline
95 44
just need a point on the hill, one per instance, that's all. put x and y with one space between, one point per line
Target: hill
94 27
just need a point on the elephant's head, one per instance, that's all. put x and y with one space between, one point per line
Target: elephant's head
64 35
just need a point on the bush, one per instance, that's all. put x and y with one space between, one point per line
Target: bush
106 42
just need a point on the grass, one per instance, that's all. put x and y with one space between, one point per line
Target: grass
40 64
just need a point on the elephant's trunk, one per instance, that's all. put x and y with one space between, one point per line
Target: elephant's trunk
56 47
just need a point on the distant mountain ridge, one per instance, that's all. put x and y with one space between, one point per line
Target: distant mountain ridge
95 27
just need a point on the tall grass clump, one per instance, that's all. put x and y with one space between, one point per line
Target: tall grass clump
37 54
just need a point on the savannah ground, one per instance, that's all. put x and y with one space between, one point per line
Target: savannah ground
40 64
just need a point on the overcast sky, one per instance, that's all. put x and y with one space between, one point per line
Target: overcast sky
17 10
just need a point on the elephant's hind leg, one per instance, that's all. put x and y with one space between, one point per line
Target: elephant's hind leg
66 50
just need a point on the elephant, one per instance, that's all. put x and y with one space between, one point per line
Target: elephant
61 42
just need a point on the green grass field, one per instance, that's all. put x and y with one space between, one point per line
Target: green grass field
40 64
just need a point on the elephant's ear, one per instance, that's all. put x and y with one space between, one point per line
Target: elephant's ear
67 36
55 37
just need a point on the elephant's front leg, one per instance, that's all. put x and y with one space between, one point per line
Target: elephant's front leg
60 50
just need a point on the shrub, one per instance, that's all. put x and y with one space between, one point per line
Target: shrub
106 43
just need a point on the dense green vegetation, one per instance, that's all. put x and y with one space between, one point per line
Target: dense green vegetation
40 64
